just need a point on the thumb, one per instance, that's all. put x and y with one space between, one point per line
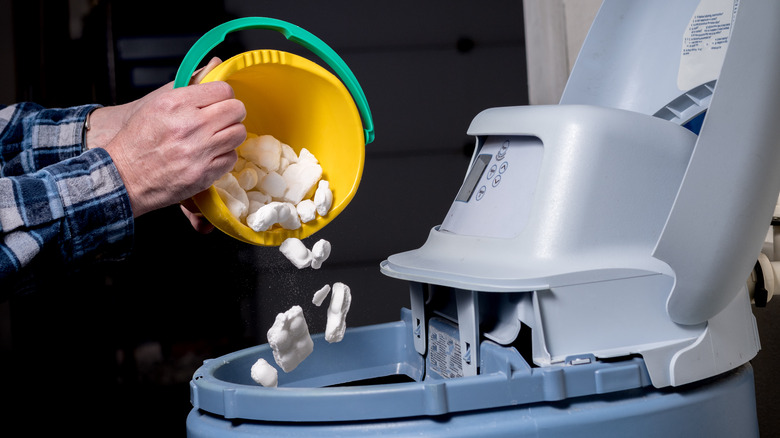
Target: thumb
201 73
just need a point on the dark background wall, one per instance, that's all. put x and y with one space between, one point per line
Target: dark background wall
113 347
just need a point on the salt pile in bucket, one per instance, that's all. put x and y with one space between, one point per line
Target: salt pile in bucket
272 185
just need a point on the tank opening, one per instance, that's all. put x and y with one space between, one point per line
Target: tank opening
381 380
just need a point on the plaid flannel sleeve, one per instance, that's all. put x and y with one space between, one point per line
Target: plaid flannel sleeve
55 197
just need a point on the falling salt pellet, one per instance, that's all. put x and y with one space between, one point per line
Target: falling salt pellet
265 151
296 252
340 300
273 185
320 252
264 373
320 295
323 198
289 339
307 211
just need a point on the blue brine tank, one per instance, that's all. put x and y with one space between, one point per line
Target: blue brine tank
590 277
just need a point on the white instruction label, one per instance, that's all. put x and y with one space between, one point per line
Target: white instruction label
444 354
705 41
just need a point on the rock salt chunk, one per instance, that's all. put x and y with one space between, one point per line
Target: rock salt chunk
253 207
301 179
240 163
237 208
320 252
247 178
323 198
288 217
340 300
257 196
265 151
273 185
296 252
320 295
264 218
259 180
261 173
289 339
230 184
264 373
307 157
307 211
289 154
283 164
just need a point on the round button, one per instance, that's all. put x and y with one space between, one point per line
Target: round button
481 192
502 152
492 172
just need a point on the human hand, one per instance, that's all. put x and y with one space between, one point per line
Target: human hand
191 211
105 122
176 143
197 220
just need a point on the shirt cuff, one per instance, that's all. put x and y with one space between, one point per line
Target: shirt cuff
98 218
90 109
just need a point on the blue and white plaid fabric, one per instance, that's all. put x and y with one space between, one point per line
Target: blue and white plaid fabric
54 196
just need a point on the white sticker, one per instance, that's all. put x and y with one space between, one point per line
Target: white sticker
444 353
705 41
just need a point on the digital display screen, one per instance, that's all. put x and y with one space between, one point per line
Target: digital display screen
480 164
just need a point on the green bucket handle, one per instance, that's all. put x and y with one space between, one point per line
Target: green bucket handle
293 33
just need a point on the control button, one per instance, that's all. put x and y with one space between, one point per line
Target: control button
502 152
492 172
503 167
496 180
481 192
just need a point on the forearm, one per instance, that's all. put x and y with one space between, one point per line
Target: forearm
77 209
104 124
33 137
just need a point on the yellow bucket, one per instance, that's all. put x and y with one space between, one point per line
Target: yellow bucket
301 104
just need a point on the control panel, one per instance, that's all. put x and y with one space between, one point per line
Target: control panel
496 195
